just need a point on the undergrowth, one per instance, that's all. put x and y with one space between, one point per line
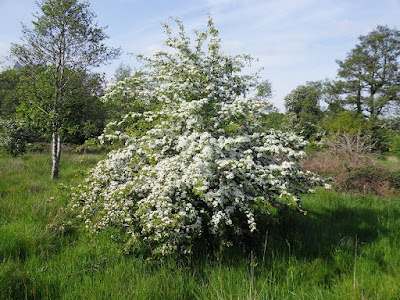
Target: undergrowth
354 168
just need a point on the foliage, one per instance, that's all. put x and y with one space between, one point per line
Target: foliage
371 72
62 45
13 135
38 147
303 110
394 145
264 90
9 98
123 103
84 114
274 120
371 180
203 171
350 160
380 133
126 101
346 122
122 72
368 88
389 130
93 145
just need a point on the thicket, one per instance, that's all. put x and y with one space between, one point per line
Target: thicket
353 166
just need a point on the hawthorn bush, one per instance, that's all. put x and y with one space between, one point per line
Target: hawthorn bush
195 164
13 136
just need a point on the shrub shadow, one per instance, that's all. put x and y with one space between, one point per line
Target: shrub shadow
318 234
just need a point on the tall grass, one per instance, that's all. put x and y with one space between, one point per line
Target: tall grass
346 247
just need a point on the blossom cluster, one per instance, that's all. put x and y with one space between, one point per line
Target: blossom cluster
13 136
204 168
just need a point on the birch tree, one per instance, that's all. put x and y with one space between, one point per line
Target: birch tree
64 41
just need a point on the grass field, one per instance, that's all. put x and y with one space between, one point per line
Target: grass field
346 247
391 162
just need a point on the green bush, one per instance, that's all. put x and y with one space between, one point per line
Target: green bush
344 121
39 147
394 146
13 136
94 146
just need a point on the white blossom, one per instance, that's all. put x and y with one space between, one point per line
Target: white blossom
190 173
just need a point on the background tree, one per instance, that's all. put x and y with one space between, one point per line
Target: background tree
370 74
9 99
264 90
63 42
344 122
84 113
123 103
303 109
122 72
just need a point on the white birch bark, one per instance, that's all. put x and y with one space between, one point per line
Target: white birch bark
55 154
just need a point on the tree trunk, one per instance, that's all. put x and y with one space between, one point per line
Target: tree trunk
358 100
372 105
55 154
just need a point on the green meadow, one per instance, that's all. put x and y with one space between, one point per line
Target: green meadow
346 247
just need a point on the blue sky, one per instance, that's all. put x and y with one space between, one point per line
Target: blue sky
295 40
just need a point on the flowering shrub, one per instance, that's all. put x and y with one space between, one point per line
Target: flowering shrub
13 134
203 169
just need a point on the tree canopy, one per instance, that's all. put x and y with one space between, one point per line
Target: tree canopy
303 108
9 98
370 74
